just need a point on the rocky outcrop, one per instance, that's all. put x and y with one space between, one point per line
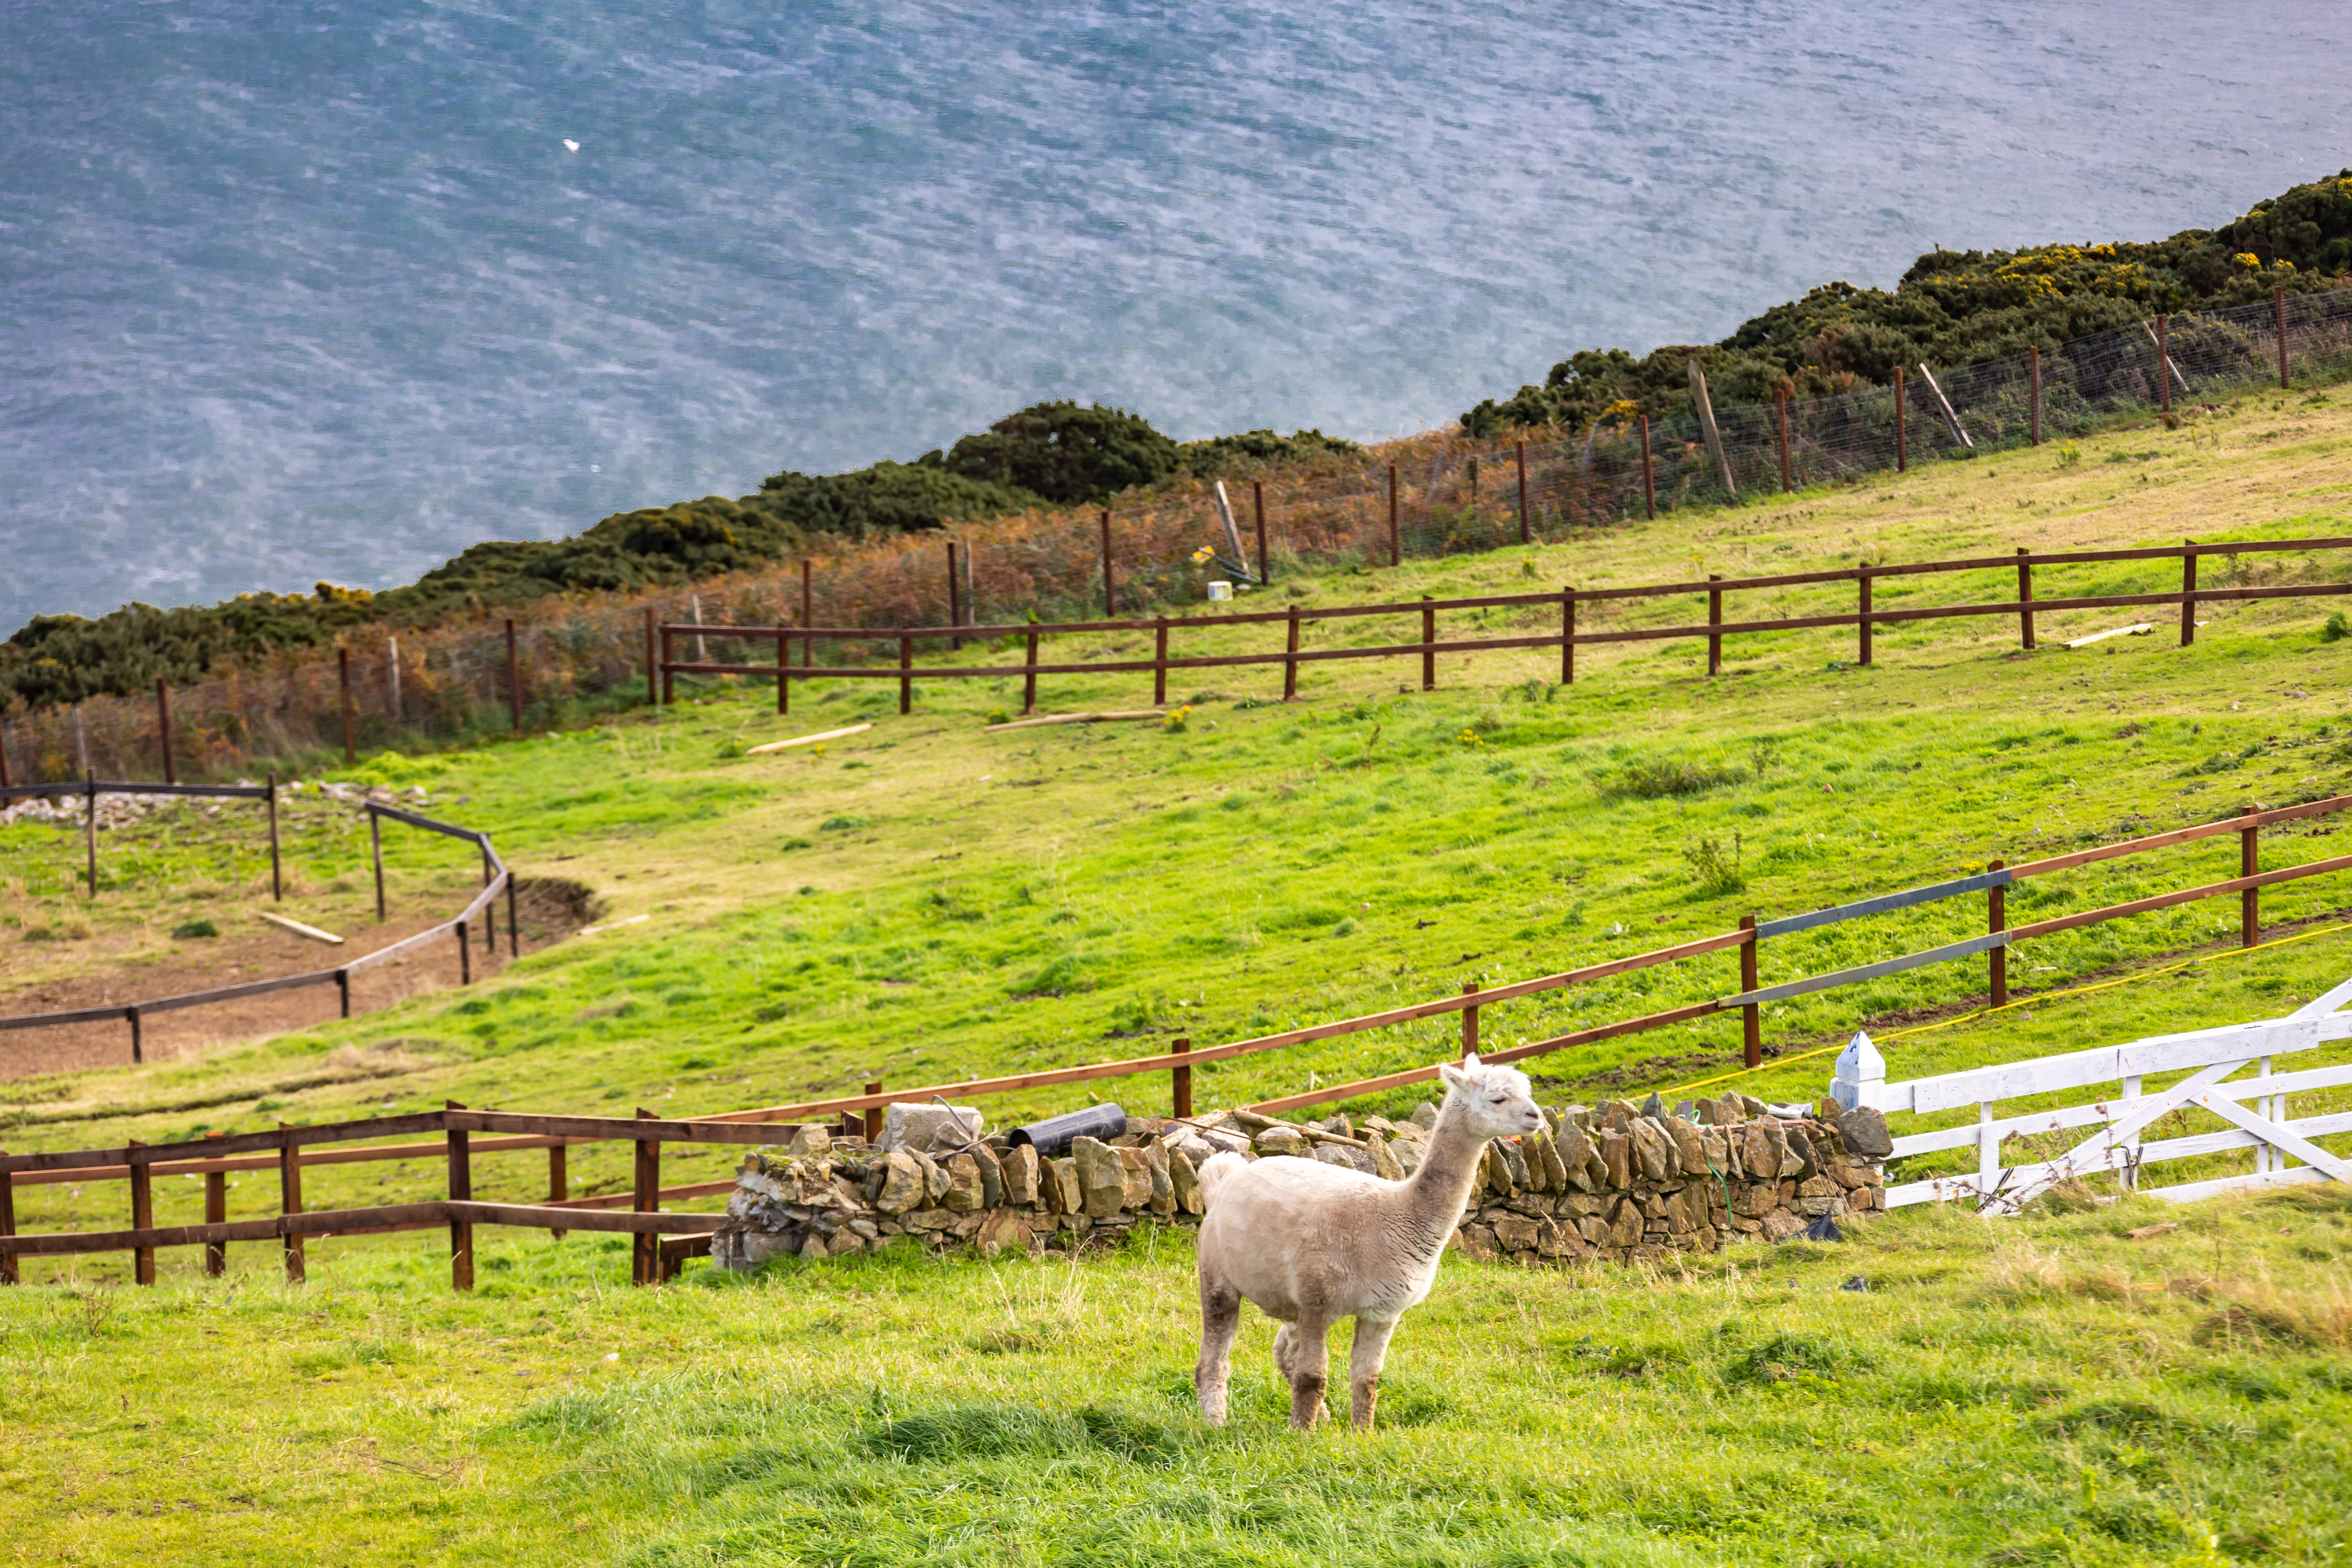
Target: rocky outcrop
1610 1182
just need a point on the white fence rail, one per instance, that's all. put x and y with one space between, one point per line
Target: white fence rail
2256 1107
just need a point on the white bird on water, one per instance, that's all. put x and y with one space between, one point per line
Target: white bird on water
570 146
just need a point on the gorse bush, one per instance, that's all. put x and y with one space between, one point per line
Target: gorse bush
1954 308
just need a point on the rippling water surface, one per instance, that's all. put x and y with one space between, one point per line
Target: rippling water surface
300 291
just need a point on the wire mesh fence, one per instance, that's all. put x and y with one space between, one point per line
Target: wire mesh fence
567 660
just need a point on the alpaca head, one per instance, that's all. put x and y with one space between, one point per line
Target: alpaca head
1494 1102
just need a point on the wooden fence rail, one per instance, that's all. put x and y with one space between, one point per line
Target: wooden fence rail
292 1148
1866 616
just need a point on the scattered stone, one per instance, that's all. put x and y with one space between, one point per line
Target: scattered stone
1281 1139
812 1142
1424 1116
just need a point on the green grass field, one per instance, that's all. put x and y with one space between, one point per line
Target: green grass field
927 901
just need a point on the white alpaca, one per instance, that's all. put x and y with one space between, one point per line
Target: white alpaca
1311 1244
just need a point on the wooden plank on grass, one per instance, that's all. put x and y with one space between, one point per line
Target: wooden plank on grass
805 740
298 929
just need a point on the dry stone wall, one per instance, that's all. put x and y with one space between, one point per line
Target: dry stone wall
1614 1181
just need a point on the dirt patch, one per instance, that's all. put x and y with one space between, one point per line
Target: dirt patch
549 909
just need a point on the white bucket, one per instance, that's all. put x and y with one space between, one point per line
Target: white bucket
1220 591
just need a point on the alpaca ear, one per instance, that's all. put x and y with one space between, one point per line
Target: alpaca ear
1470 1063
1455 1076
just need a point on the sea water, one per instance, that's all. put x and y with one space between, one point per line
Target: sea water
334 290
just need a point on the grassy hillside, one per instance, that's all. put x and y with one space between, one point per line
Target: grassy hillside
928 900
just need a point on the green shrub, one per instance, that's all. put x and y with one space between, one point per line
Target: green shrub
1667 776
187 930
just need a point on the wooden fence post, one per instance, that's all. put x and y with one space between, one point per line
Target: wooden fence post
1523 492
1649 473
2278 330
646 1252
3 759
464 956
1902 446
2163 365
514 922
1715 618
1781 400
89 826
514 680
1396 538
906 682
142 1215
138 1046
8 1275
1428 645
1469 1020
559 1182
783 681
2187 592
1257 503
1997 919
1862 577
344 990
1751 1015
1160 662
215 1213
2249 864
2033 367
277 866
874 1112
668 676
955 600
163 728
1567 636
1110 584
2024 596
1290 666
375 854
808 610
290 1200
1180 1079
351 728
1029 680
653 663
461 1191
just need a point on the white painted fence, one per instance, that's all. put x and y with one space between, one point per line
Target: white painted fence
2209 1056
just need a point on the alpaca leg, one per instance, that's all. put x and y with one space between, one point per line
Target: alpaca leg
1365 1358
1282 1352
1221 1319
1310 1367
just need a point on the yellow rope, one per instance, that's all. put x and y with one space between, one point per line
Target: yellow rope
2037 998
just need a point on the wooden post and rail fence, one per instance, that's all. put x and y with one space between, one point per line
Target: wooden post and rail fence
465 1133
1864 619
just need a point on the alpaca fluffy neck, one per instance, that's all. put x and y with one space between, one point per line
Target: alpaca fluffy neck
1434 1194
